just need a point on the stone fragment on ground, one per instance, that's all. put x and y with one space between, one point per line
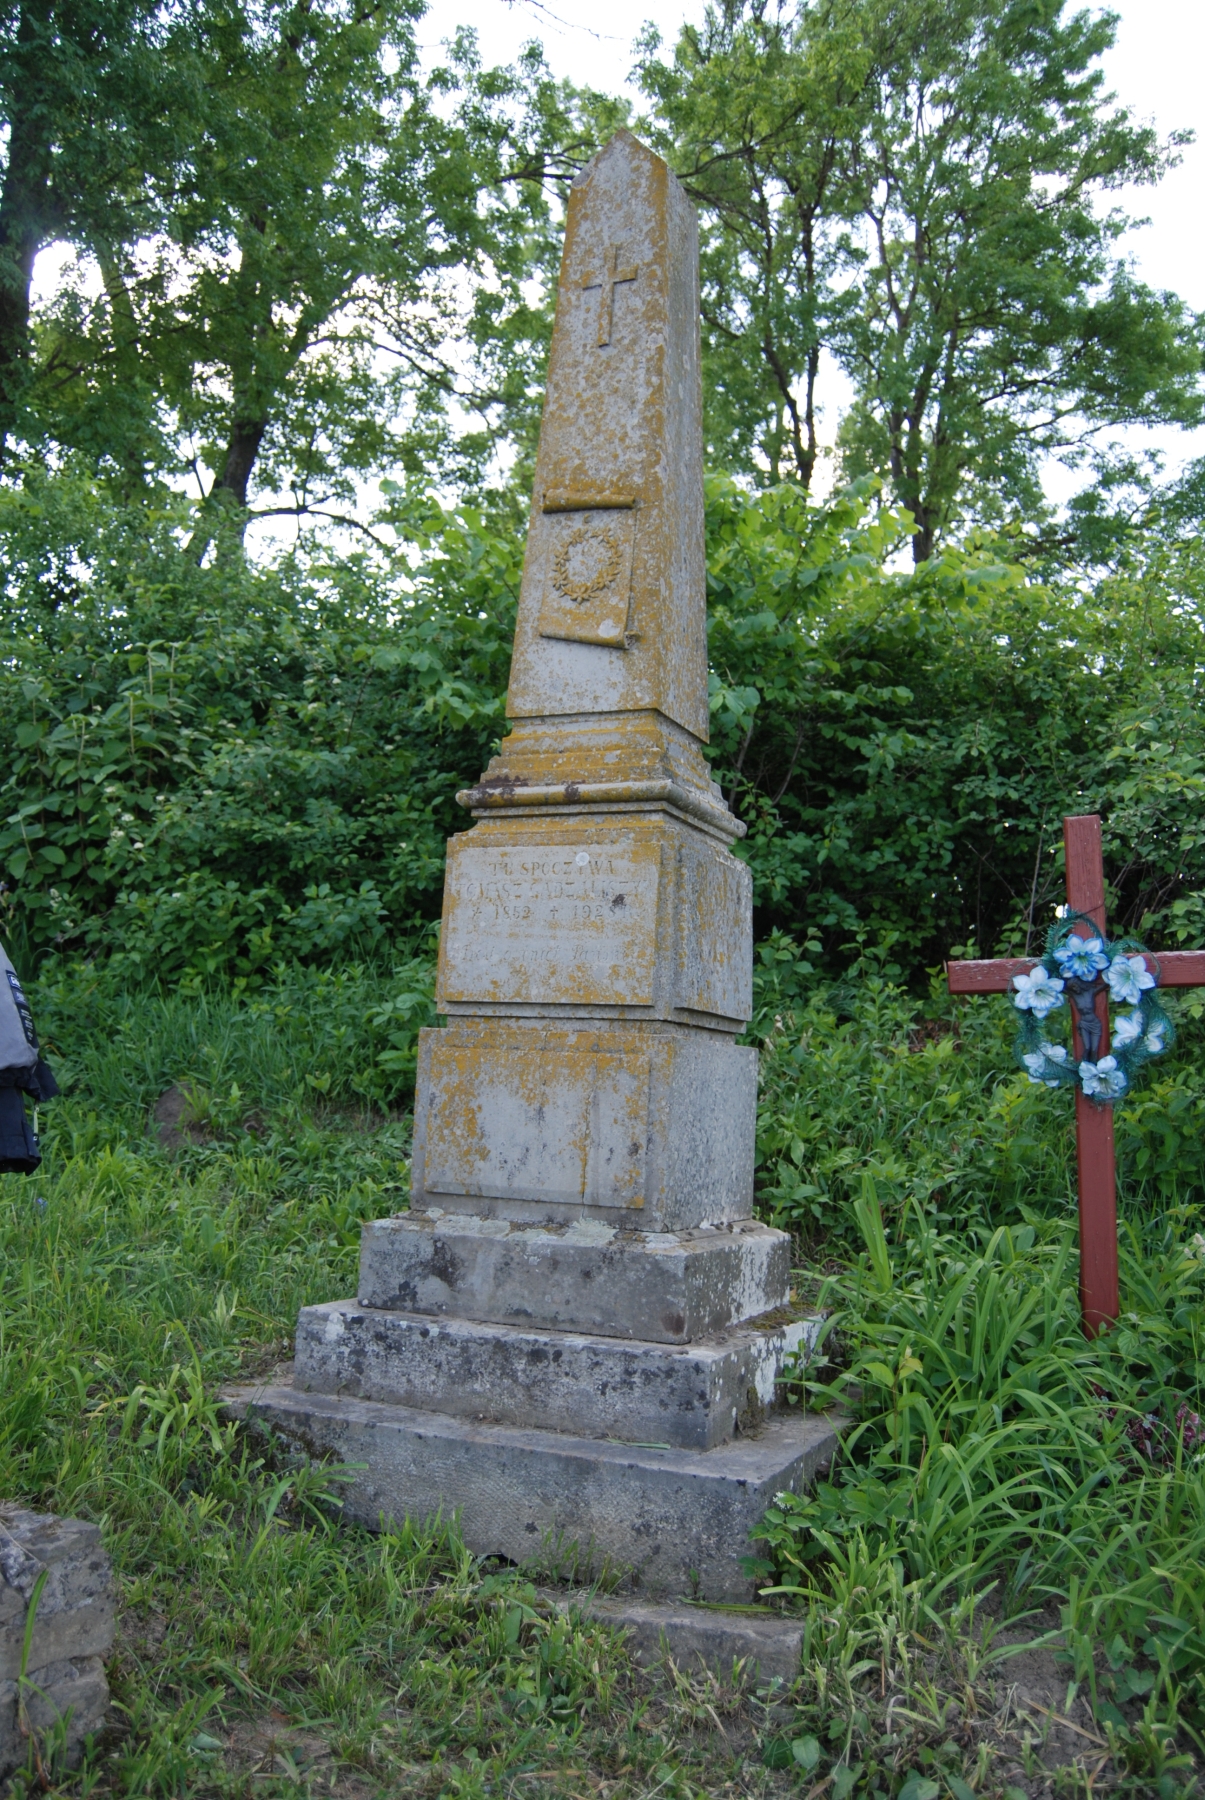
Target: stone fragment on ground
756 1645
61 1677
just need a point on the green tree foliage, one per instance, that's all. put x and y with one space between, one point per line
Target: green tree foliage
90 91
331 256
222 764
759 111
919 190
213 766
904 746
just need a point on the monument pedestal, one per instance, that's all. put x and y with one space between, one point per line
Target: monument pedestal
574 1339
493 1371
672 1521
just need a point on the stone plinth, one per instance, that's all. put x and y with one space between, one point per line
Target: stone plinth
548 1123
577 1333
73 1630
676 1521
691 1395
661 1287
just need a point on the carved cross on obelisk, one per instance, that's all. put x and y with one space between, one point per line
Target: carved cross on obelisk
1099 1299
608 282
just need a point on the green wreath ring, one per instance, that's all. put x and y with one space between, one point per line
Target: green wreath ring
1080 963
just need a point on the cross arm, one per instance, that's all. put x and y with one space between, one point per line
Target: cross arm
1179 968
994 977
1176 968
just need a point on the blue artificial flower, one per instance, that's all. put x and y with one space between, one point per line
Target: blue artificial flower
1129 1029
1156 1038
1081 956
1103 1078
1036 1060
1128 978
1037 992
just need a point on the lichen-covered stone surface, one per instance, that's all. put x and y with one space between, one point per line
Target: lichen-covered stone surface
545 1122
73 1627
616 531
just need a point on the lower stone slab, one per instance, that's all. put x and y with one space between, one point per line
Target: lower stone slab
661 1287
673 1521
759 1649
693 1395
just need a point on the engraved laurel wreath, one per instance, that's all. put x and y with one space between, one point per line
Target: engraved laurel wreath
580 576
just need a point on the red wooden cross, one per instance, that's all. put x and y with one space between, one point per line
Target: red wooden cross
1098 1294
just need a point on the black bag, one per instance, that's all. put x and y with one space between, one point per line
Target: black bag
22 1071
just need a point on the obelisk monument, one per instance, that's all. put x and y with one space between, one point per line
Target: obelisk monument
575 1331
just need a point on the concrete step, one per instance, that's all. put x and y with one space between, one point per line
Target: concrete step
670 1521
692 1395
659 1287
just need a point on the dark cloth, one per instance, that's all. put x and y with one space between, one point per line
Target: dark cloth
38 1082
19 1152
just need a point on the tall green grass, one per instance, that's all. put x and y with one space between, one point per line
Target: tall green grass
992 1448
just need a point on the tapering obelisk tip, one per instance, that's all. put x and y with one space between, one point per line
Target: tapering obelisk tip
612 616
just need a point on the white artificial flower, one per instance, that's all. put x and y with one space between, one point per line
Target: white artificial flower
1081 956
1155 1038
1036 1061
1129 1029
1037 992
1103 1078
1128 978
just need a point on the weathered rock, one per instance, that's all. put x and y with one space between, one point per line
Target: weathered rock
669 1287
73 1691
695 1395
675 1521
73 1628
76 1612
761 1648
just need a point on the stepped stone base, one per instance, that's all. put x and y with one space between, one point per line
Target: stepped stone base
660 1287
674 1521
695 1395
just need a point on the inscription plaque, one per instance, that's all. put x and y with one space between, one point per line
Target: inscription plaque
573 924
567 1124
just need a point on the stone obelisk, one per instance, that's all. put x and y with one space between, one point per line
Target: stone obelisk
576 1330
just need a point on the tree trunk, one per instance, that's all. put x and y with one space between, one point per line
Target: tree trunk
245 438
923 537
229 491
26 223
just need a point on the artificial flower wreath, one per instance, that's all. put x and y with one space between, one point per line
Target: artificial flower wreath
1079 963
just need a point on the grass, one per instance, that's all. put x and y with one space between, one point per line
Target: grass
1006 1485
